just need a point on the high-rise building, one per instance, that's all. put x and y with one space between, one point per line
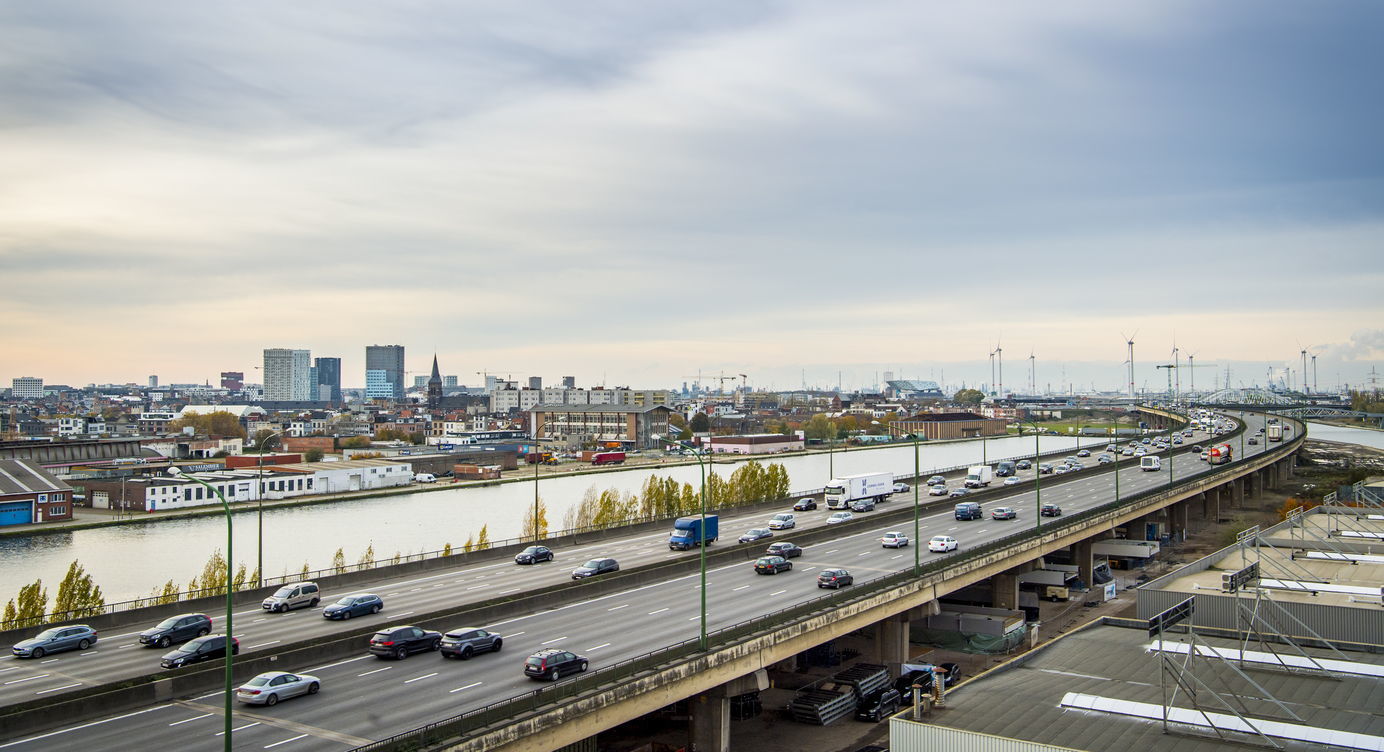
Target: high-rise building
287 375
233 380
389 361
535 382
26 387
449 382
569 382
153 382
420 381
327 386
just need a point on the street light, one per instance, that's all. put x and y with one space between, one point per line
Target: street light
917 477
259 546
536 432
701 462
177 471
1037 476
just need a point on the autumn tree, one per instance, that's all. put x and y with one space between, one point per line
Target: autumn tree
968 397
700 423
212 580
483 538
339 561
219 423
265 439
821 427
312 455
78 596
367 558
535 525
355 442
29 608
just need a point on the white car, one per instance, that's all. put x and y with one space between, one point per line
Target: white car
938 491
1011 481
840 517
783 521
941 544
901 488
894 540
271 686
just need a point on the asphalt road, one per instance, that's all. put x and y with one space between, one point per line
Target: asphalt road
364 698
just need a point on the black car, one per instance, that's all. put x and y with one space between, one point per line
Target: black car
904 684
399 642
465 642
180 628
357 604
878 705
785 549
553 664
834 578
772 565
533 555
805 505
1050 510
953 673
200 649
595 567
1023 464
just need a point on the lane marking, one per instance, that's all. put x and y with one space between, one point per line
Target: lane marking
555 639
264 644
338 663
285 741
736 590
420 678
56 689
375 671
189 720
778 592
617 608
661 610
598 647
84 725
50 660
248 725
468 686
27 678
514 634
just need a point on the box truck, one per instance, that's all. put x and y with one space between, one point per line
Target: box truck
840 492
688 532
607 458
979 476
1275 432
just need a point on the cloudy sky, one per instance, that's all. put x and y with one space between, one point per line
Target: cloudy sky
635 193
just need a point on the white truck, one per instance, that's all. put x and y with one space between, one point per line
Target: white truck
840 492
1275 431
979 476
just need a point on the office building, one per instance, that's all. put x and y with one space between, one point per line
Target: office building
26 387
569 382
387 361
153 382
328 382
449 382
535 382
287 375
420 382
233 380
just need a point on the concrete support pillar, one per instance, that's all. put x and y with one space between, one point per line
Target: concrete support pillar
891 640
1237 493
1004 589
1085 562
1177 520
710 728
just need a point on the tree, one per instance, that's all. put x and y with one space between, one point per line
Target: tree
677 421
355 442
78 596
313 455
168 595
447 549
212 581
238 582
219 423
265 440
29 608
367 559
821 427
969 396
483 538
470 544
535 526
717 491
685 434
339 561
700 423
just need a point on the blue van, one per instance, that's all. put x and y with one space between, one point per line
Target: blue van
968 510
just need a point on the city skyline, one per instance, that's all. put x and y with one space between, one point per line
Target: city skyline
634 195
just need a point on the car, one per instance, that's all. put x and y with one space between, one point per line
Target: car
1253 441
1111 447
1197 447
756 533
1105 459
55 640
1023 465
894 540
291 596
1075 465
204 648
942 544
1011 481
1084 453
1062 469
271 686
772 565
1205 455
785 549
1146 440
534 554
957 493
878 705
834 578
1140 452
400 642
1128 451
1046 469
805 504
839 517
552 664
595 567
863 505
1004 513
936 480
357 604
1187 433
783 521
938 491
1177 439
464 642
904 684
180 628
1050 510
952 672
901 488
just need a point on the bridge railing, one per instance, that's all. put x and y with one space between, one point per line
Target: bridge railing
518 706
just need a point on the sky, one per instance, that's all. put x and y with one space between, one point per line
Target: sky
637 193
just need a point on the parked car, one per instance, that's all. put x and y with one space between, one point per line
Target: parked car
942 544
552 664
180 628
464 642
400 642
295 595
357 604
863 505
756 533
534 554
834 578
894 540
904 684
1004 513
204 648
838 517
785 549
271 686
595 567
878 705
785 521
936 480
1050 510
953 673
772 565
938 491
55 640
805 504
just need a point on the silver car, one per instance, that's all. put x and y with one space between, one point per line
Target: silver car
54 640
271 686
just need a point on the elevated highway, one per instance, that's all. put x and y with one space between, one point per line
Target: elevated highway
640 640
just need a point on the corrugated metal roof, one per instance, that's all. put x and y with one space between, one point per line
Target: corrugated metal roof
25 477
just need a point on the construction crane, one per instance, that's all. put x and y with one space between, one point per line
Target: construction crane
1176 367
743 383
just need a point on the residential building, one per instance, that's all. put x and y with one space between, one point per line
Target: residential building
28 493
577 424
26 387
388 359
287 375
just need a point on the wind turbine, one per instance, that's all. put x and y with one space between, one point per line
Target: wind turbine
1130 342
999 353
1314 370
992 369
1032 373
1304 367
1177 377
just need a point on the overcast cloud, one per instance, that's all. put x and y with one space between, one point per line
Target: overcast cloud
632 193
